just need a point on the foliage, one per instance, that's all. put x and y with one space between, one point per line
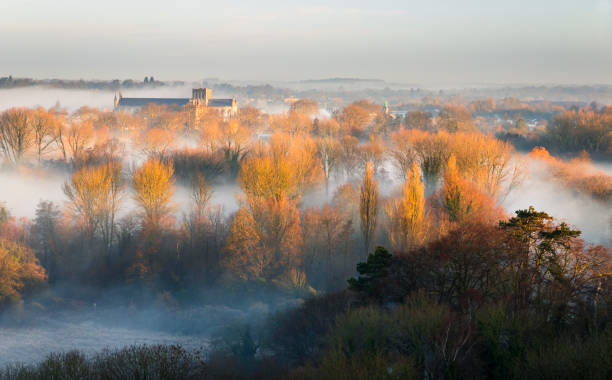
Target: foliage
368 206
20 273
153 186
134 362
376 267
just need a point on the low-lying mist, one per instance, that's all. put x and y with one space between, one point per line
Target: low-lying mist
72 99
592 217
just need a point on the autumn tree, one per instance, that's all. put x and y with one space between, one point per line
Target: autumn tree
201 193
402 152
326 127
461 200
327 246
487 162
250 116
156 142
204 228
368 207
552 269
234 140
265 177
16 133
153 186
373 152
292 122
406 216
355 119
349 155
453 118
286 167
328 154
264 240
20 273
418 120
95 194
576 130
431 151
126 122
484 105
78 136
265 235
44 126
308 107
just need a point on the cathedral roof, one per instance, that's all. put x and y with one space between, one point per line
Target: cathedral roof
141 102
220 102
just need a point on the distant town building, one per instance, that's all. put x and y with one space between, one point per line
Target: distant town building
201 100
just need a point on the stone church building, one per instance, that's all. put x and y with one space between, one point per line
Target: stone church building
201 100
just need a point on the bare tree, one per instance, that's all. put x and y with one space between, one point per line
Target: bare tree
16 134
44 126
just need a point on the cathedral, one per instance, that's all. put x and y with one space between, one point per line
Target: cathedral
201 100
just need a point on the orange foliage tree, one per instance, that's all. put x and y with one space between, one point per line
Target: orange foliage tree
153 186
462 201
95 195
368 207
19 271
406 216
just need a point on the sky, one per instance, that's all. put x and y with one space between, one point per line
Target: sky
421 42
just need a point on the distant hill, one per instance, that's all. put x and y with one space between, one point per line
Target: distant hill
342 80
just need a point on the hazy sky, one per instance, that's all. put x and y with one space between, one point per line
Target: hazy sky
426 42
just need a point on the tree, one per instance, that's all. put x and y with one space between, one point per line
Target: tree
326 127
249 116
205 231
264 240
349 155
95 194
16 133
233 139
432 152
551 269
455 119
368 207
44 125
153 186
576 130
112 204
328 246
328 153
418 120
156 142
306 106
19 271
376 267
201 193
265 177
44 233
407 215
265 235
459 198
77 138
355 119
487 162
402 152
285 168
373 152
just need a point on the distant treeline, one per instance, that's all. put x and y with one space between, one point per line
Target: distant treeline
115 84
